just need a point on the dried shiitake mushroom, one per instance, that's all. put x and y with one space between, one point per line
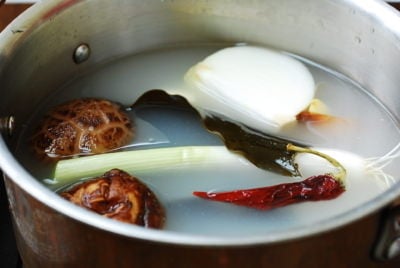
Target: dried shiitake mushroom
82 126
119 196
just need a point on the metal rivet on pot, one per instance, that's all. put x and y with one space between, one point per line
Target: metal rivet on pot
394 249
7 125
81 53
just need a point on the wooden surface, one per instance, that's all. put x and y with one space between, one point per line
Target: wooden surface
9 12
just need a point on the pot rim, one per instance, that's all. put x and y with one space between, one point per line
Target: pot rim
16 173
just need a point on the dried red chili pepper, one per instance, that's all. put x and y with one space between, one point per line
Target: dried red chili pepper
315 188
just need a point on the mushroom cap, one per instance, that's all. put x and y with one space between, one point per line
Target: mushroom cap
120 196
82 126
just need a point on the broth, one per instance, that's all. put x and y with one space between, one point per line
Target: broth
363 123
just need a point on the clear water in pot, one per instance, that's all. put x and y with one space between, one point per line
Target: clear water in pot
364 127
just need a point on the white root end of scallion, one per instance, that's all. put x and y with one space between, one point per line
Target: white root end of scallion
340 173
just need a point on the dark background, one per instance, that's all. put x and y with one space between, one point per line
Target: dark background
8 251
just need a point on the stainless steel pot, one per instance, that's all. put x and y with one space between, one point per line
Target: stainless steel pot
49 45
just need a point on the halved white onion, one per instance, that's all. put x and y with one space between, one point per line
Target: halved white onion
259 87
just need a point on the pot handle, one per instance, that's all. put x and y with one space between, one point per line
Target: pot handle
387 245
